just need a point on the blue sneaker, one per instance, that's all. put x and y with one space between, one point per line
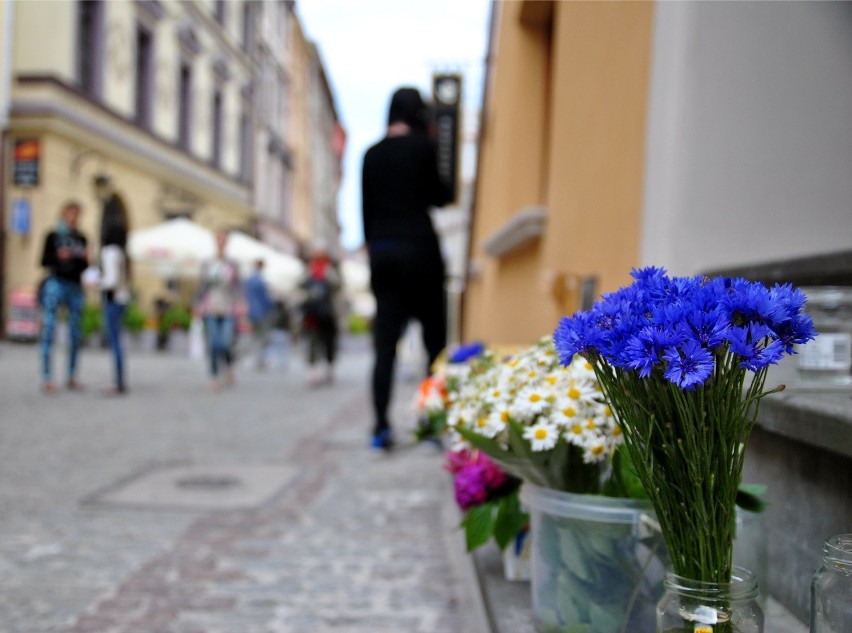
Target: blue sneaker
382 441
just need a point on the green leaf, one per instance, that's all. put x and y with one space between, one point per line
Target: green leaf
627 481
478 524
510 520
748 497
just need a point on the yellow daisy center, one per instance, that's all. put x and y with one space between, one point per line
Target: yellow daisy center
577 429
574 393
569 412
597 450
481 422
534 397
541 434
504 416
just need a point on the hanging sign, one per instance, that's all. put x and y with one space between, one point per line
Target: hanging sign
446 97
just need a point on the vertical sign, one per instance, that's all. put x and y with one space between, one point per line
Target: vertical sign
21 214
446 96
25 162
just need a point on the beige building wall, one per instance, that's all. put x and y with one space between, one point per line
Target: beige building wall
560 162
300 136
80 138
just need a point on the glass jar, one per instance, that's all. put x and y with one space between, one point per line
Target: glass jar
831 588
828 358
695 606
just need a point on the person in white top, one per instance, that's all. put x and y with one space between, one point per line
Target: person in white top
115 296
220 294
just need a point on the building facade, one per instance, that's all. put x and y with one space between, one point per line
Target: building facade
692 136
184 107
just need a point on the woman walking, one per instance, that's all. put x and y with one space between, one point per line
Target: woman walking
219 299
115 296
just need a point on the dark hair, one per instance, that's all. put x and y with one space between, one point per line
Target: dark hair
114 234
407 107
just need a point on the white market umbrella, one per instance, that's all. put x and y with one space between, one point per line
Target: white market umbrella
176 247
281 271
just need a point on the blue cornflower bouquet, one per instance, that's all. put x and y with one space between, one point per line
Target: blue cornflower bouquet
683 361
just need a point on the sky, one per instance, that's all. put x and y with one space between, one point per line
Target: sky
371 47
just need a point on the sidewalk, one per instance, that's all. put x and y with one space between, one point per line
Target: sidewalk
254 510
152 513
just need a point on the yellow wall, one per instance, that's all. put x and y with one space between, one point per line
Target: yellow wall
41 23
563 128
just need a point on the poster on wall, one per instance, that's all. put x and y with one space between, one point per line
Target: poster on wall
21 214
25 162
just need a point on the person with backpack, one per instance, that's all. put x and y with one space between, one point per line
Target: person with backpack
319 314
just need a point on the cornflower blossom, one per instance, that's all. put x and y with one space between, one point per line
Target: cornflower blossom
678 327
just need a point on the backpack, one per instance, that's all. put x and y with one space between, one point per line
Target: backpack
318 304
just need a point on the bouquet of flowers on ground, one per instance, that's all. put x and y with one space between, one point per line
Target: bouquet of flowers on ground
489 498
435 391
550 425
683 362
543 422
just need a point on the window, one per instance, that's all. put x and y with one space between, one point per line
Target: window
90 46
245 148
219 12
248 27
144 76
185 106
217 128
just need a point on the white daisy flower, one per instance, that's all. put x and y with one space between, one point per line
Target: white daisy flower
542 435
530 401
595 451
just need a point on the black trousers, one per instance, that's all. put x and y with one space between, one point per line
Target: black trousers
408 283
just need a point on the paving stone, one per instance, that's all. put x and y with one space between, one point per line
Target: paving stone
343 541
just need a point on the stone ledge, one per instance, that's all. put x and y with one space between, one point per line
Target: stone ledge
509 603
523 227
815 414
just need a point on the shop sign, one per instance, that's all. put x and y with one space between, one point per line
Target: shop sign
446 97
25 162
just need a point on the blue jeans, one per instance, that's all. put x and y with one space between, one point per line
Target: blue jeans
221 331
54 294
113 314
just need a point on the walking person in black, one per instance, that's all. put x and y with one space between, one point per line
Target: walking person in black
399 184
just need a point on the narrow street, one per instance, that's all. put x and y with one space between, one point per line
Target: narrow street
255 510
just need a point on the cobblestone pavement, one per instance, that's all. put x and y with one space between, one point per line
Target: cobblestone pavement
351 541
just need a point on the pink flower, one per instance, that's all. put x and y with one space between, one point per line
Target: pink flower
477 478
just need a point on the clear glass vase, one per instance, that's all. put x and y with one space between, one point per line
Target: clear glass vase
831 588
694 606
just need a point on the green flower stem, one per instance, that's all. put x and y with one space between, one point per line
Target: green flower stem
688 449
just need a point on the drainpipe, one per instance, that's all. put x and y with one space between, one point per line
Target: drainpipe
5 100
